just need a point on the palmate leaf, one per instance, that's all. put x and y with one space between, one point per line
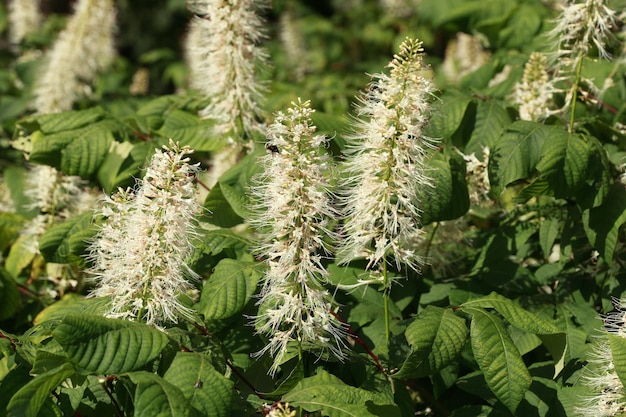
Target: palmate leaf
206 389
155 397
498 358
229 289
28 401
107 346
332 397
436 337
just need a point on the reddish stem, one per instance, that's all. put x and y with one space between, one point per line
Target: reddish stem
361 342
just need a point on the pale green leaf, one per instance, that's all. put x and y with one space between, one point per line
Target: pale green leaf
21 254
332 397
502 365
618 354
436 337
108 346
206 389
229 289
29 399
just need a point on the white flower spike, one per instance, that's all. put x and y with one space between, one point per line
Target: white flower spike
140 254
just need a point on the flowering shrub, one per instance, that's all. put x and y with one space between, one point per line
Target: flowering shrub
211 208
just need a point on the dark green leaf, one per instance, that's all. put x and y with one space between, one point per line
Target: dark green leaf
206 389
229 289
107 346
66 241
436 337
28 401
332 397
155 397
502 365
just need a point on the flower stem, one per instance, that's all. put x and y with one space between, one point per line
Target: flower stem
386 288
578 75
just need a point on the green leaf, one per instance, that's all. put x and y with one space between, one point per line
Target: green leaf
618 353
29 399
552 337
216 241
514 314
221 212
448 198
155 397
491 120
108 346
454 105
206 389
66 242
237 199
548 232
502 365
602 224
525 22
436 337
62 122
85 155
517 152
122 163
333 398
9 295
21 254
10 226
190 130
229 289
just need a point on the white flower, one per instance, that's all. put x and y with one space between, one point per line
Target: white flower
534 93
140 254
605 392
82 49
24 18
292 216
385 164
222 53
464 55
580 26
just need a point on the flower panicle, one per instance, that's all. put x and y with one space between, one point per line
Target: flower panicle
83 48
293 217
385 165
140 254
581 26
223 52
534 93
604 390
